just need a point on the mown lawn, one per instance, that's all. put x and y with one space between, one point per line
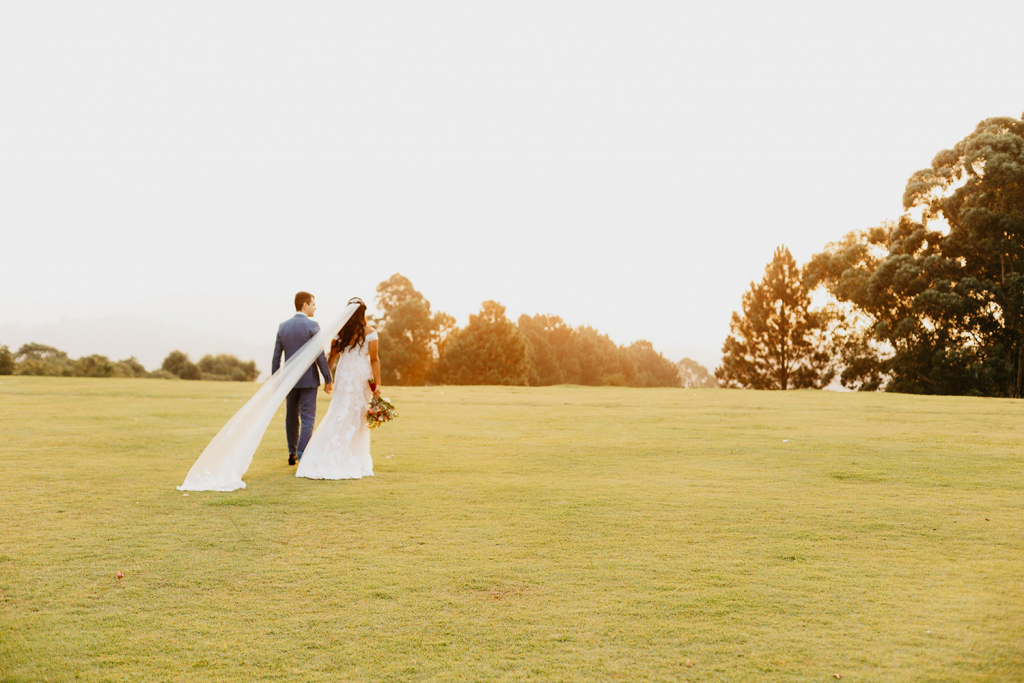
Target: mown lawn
557 534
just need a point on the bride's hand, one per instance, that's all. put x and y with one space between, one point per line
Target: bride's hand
328 388
376 392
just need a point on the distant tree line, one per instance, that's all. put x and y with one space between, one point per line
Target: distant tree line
931 303
42 360
422 346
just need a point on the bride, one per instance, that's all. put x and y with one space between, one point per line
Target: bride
340 447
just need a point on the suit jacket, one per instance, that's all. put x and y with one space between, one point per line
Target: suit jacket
291 335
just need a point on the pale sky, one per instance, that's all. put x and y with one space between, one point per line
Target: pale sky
629 166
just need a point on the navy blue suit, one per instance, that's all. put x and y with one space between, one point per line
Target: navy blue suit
301 401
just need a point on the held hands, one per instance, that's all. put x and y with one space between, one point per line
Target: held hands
329 387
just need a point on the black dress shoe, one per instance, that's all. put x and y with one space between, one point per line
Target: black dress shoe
291 459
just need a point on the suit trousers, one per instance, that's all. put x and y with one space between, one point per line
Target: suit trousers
300 406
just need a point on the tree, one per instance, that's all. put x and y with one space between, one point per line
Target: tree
650 368
940 292
597 359
778 342
225 367
408 331
6 361
39 359
129 367
489 350
178 364
693 375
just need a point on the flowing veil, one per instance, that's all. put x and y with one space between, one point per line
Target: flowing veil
228 456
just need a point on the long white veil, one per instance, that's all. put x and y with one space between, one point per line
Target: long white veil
228 456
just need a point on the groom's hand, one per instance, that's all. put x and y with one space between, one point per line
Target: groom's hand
329 387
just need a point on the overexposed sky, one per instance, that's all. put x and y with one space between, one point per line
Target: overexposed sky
627 165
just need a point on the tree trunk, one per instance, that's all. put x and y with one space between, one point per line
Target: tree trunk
1020 372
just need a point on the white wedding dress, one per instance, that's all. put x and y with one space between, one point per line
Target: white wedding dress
340 447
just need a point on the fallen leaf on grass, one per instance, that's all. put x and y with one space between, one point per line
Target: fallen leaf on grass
836 676
689 662
120 575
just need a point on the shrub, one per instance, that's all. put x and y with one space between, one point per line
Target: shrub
94 366
6 361
129 367
178 364
225 367
617 379
162 374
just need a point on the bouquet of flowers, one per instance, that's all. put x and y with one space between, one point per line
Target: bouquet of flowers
381 410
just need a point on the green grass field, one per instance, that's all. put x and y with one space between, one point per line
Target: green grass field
557 534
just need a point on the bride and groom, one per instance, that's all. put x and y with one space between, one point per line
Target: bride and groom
340 447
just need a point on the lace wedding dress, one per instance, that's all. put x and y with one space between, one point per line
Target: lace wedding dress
340 447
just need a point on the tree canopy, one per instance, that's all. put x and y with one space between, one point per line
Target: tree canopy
938 296
418 345
410 332
40 359
561 354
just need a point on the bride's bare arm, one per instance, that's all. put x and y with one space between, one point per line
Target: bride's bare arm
375 365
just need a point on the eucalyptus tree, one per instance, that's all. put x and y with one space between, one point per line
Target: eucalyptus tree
941 290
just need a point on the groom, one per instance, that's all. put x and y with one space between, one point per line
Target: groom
301 401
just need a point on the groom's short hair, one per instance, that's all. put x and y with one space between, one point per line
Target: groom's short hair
301 299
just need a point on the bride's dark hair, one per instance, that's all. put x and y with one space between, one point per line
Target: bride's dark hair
354 331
